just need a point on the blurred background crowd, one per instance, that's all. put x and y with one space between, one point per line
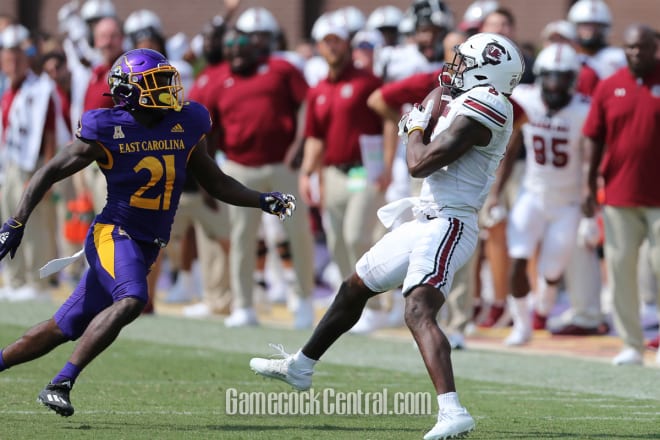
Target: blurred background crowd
305 97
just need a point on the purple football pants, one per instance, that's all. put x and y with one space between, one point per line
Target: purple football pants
118 268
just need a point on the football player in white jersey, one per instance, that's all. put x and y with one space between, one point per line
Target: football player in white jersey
458 165
547 212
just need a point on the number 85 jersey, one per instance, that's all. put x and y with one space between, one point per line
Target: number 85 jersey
553 168
145 167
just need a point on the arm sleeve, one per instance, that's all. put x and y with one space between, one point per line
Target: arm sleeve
409 90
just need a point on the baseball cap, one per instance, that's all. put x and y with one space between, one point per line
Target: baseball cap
327 24
13 36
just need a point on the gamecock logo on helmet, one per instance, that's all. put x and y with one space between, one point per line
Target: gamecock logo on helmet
493 53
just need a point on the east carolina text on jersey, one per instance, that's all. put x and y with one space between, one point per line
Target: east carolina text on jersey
145 167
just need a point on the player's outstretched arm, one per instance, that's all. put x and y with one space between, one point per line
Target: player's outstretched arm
229 190
68 161
449 145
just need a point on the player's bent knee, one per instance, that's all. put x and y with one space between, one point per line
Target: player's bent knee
129 308
422 305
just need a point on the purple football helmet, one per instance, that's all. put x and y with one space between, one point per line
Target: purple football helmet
144 78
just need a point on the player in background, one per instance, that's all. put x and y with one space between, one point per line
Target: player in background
593 21
144 146
466 147
546 214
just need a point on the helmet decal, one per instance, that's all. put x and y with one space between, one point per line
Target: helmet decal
493 53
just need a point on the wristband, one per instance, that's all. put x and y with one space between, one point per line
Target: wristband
415 129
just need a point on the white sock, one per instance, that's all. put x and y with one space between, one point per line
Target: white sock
520 312
186 279
303 361
546 298
449 401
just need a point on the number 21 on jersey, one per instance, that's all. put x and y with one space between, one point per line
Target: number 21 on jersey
159 168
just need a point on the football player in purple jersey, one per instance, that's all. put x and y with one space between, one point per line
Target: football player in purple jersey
145 145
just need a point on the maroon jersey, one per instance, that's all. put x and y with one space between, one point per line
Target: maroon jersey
625 116
98 85
337 113
257 113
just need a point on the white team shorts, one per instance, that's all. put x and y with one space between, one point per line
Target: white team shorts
420 251
532 222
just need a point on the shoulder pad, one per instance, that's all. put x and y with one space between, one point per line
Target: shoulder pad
487 106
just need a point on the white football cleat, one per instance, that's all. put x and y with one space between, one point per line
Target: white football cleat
370 321
242 318
284 369
451 424
628 356
518 336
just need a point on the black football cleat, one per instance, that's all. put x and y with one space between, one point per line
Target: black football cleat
56 397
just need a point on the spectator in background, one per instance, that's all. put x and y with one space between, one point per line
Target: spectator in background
29 140
338 121
209 219
255 102
545 216
493 216
622 131
593 20
559 31
386 19
584 286
143 27
475 14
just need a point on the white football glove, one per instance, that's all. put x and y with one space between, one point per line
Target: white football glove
402 125
419 117
588 234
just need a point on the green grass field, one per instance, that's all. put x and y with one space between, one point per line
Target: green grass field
167 378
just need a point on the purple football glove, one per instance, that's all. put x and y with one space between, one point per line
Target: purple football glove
277 203
11 235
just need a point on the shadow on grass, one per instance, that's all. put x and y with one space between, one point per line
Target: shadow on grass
241 428
559 435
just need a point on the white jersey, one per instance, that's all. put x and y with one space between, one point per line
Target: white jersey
461 187
393 63
606 61
553 169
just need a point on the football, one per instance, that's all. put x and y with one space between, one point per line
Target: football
439 105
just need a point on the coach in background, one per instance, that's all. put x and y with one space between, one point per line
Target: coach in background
28 126
622 130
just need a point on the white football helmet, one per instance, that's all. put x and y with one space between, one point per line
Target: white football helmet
484 59
557 57
590 11
13 36
351 17
384 16
435 11
476 13
257 20
142 19
96 9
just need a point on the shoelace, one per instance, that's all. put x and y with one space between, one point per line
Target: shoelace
280 350
286 365
281 365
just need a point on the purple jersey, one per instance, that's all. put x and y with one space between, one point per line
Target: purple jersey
145 167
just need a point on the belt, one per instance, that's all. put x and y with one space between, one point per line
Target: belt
346 167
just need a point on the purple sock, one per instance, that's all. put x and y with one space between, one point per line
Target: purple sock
69 372
3 367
